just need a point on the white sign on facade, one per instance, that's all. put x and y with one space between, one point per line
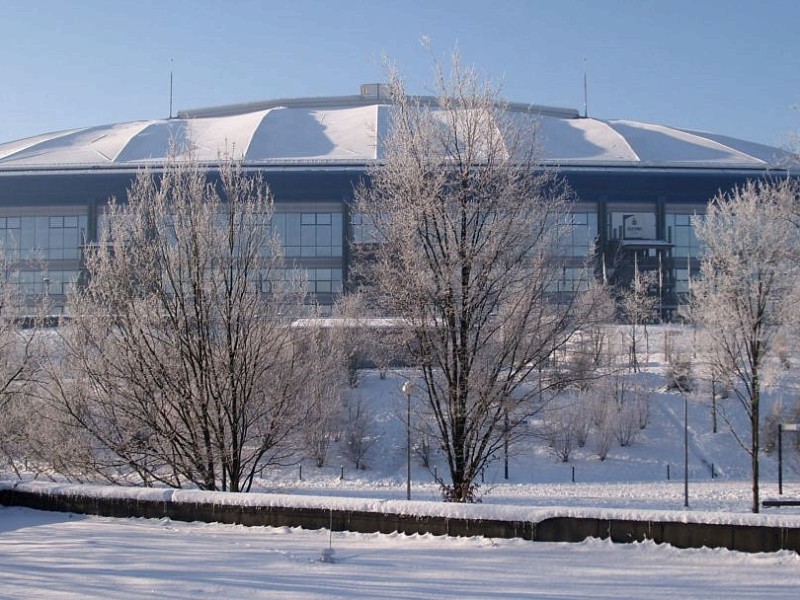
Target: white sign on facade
634 226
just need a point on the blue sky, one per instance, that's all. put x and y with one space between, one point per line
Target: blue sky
726 66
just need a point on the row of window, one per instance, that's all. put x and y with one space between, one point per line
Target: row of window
58 282
44 282
304 235
577 240
43 237
309 235
317 280
571 279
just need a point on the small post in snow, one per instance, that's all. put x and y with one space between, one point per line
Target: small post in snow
326 555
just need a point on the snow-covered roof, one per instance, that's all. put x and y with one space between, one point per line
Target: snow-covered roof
349 130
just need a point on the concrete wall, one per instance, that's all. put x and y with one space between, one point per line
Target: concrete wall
745 538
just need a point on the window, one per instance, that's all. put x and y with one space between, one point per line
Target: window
50 282
580 235
571 279
680 234
55 237
309 234
318 281
363 229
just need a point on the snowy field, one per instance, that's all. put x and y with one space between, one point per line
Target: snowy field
648 474
52 555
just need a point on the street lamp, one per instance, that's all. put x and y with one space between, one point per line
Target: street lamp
408 389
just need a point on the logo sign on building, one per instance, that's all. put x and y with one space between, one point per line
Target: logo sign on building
639 226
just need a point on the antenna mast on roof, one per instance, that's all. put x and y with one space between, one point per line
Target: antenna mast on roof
170 88
585 92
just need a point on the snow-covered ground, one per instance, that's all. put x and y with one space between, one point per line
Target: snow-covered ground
648 474
50 555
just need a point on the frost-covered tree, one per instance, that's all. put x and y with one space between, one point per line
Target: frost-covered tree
178 358
747 293
565 425
326 360
638 305
468 226
22 324
359 437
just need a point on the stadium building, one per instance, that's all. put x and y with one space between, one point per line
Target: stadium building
637 184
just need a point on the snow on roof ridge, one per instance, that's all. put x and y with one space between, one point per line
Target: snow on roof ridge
36 140
693 138
363 99
637 158
144 126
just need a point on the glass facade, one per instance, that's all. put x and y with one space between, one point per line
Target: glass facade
45 249
324 281
313 244
637 217
45 237
363 229
581 235
572 279
312 247
47 281
577 244
309 234
680 233
682 281
318 280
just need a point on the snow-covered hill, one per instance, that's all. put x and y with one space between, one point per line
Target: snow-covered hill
647 474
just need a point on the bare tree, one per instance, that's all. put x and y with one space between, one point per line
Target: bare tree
353 334
747 293
639 306
564 426
326 362
359 437
23 317
467 226
604 420
180 360
710 374
680 373
620 410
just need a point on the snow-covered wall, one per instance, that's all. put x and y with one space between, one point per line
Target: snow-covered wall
748 533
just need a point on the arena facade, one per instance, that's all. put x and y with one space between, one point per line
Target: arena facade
637 184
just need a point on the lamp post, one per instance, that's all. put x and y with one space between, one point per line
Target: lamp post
408 389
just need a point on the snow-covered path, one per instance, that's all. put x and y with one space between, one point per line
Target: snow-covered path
53 555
